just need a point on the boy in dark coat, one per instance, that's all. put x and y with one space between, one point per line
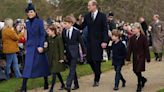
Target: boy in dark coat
72 39
118 57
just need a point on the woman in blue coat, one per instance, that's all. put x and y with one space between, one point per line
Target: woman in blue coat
36 64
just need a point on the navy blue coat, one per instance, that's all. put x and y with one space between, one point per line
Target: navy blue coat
119 53
36 64
72 45
97 33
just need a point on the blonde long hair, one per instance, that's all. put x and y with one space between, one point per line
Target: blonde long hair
138 25
8 23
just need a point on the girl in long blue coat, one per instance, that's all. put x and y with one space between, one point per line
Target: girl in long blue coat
36 63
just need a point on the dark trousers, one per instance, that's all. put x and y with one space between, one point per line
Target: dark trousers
96 67
72 74
109 48
118 75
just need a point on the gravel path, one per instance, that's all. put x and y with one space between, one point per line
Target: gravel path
154 73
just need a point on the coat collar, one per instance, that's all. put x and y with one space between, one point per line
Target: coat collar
90 15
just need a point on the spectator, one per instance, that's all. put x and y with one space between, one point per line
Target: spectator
10 47
157 37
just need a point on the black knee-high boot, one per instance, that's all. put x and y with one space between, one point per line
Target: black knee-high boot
24 85
139 77
45 83
144 80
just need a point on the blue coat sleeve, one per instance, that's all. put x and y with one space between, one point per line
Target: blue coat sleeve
41 34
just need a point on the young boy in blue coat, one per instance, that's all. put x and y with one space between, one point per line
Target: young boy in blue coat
118 57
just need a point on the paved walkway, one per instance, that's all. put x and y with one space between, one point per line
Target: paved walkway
154 73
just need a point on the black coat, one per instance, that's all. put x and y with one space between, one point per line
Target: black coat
144 27
112 25
118 53
97 33
72 45
140 50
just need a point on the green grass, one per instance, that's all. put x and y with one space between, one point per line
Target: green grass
162 90
14 84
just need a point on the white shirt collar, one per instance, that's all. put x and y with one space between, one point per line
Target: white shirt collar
70 29
95 13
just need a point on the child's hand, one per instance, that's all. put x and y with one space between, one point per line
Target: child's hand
61 61
45 44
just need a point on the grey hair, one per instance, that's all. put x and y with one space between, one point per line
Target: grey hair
8 23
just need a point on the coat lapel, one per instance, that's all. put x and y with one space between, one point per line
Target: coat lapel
95 18
72 33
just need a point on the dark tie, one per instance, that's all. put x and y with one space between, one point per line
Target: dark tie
92 15
67 33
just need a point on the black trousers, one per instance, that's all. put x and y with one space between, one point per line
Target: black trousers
72 74
109 49
96 68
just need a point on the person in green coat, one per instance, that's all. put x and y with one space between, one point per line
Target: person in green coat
55 50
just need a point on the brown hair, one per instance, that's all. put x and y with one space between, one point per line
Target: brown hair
53 28
116 32
68 19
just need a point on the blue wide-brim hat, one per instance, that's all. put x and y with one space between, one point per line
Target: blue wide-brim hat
29 7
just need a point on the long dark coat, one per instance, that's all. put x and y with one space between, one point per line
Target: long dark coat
140 50
97 33
55 53
36 64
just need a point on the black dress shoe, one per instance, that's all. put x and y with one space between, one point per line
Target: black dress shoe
123 83
144 81
67 89
115 88
160 59
96 84
23 90
75 88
